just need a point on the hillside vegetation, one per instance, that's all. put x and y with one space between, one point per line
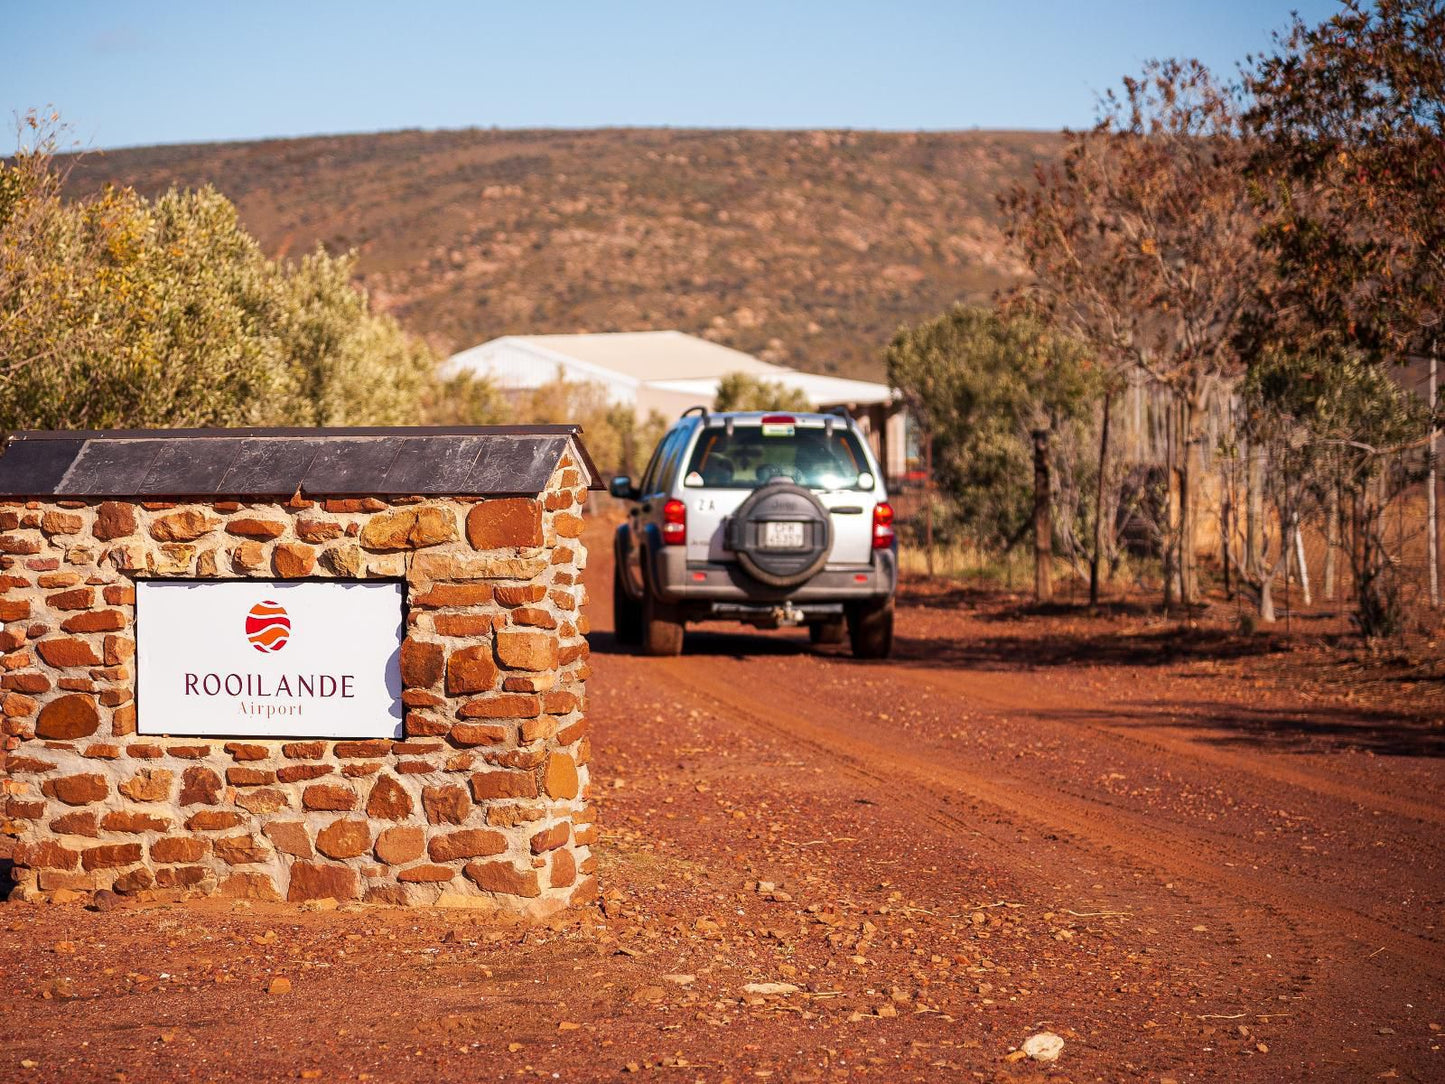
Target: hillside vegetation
806 248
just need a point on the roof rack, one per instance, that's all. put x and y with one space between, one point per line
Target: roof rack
699 409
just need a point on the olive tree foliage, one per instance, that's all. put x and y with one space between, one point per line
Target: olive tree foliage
742 391
1142 242
117 311
1331 426
992 390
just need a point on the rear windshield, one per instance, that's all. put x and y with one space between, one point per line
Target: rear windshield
752 455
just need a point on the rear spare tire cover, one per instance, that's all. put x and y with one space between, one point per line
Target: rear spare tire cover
757 545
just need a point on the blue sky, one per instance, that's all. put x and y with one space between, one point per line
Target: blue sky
129 72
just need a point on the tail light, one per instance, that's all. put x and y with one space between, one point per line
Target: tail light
674 523
883 534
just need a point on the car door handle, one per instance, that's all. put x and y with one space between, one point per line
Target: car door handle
847 510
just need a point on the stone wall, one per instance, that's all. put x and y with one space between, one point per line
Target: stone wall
482 803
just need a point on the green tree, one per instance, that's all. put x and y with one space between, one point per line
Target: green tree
993 391
1329 423
741 391
117 311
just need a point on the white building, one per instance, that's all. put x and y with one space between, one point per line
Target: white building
669 371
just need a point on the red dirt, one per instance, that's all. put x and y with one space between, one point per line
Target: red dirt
1194 856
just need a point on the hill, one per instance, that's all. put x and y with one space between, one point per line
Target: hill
806 248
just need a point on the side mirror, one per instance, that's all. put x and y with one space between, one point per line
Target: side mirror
622 488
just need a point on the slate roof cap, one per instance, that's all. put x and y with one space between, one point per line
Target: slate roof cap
483 461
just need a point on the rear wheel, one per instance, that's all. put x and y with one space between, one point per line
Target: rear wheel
626 611
661 628
870 629
826 632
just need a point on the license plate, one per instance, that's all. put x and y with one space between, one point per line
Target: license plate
783 536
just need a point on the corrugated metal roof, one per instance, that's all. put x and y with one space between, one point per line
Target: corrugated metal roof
498 461
641 355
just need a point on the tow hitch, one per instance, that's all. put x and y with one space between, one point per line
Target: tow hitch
787 616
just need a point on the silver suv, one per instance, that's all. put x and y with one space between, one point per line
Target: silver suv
773 519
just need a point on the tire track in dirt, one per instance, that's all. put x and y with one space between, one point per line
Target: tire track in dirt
1048 707
1190 855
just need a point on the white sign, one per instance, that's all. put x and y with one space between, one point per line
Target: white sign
251 658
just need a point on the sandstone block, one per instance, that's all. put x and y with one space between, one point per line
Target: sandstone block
344 839
113 520
46 854
53 523
344 561
200 786
504 879
79 598
79 789
501 706
148 785
471 670
371 747
254 527
422 663
95 621
533 617
213 820
489 786
304 750
241 850
179 849
263 800
426 875
519 650
469 843
126 821
185 525
118 649
111 856
249 886
560 777
299 773
538 729
388 800
505 524
248 557
563 869
136 880
240 776
397 846
329 797
317 530
292 560
244 751
459 595
173 559
318 882
549 839
512 596
80 823
446 805
463 625
409 528
181 876
290 837
468 734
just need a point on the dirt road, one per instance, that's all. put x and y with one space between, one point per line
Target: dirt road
1164 847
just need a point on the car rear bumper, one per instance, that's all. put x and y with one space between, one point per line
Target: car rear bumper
679 580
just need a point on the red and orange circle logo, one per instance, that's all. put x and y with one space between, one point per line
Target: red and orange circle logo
268 627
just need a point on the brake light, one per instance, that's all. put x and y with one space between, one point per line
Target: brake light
883 533
674 523
779 419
